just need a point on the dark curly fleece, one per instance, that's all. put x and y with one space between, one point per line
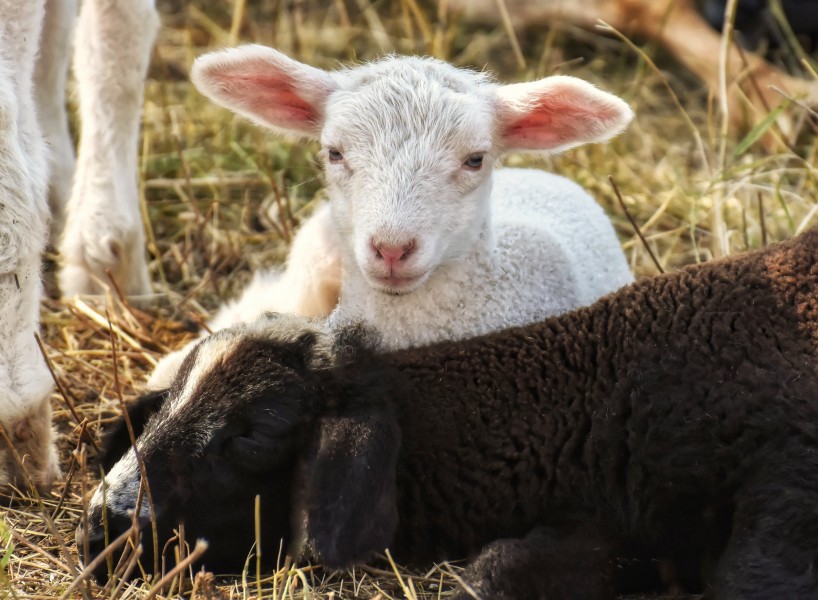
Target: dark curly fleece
674 411
674 419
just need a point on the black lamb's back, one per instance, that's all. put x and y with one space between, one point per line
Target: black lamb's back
650 407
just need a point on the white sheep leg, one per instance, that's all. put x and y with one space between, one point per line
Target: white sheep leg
50 77
104 225
24 380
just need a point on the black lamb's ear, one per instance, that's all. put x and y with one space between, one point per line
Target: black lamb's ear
117 441
270 441
350 494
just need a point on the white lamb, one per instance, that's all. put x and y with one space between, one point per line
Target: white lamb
409 145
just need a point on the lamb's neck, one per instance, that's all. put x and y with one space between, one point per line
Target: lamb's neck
441 308
558 357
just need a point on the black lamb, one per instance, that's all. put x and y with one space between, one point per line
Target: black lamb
674 419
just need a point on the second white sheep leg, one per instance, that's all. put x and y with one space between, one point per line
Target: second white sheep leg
50 78
104 228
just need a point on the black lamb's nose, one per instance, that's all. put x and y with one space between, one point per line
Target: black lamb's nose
101 533
90 545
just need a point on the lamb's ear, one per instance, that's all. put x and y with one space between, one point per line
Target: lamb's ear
350 497
267 87
117 441
557 113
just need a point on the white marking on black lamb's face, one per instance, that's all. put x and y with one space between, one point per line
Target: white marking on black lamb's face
122 489
122 482
229 429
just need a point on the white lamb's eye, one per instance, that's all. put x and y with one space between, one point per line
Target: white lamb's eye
474 162
335 155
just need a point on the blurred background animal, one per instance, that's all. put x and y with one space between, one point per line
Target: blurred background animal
680 28
93 213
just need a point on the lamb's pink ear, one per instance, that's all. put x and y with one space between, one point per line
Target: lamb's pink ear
267 87
557 113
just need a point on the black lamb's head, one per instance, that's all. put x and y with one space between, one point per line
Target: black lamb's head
281 410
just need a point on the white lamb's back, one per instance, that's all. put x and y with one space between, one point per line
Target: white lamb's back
573 218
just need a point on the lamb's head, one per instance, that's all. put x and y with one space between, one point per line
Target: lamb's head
408 144
266 410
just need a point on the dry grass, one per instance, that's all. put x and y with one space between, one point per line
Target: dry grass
223 198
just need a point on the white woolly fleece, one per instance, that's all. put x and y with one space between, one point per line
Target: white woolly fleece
25 383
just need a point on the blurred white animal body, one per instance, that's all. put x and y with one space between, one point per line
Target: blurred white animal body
99 216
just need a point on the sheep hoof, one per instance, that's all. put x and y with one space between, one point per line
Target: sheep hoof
92 257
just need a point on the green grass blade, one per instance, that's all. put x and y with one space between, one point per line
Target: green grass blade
756 132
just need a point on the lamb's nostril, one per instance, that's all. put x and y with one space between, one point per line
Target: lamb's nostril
90 544
96 545
90 534
93 543
393 253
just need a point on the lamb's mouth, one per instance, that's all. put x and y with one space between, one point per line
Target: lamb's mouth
397 286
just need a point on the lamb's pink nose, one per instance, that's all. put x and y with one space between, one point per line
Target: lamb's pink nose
393 254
